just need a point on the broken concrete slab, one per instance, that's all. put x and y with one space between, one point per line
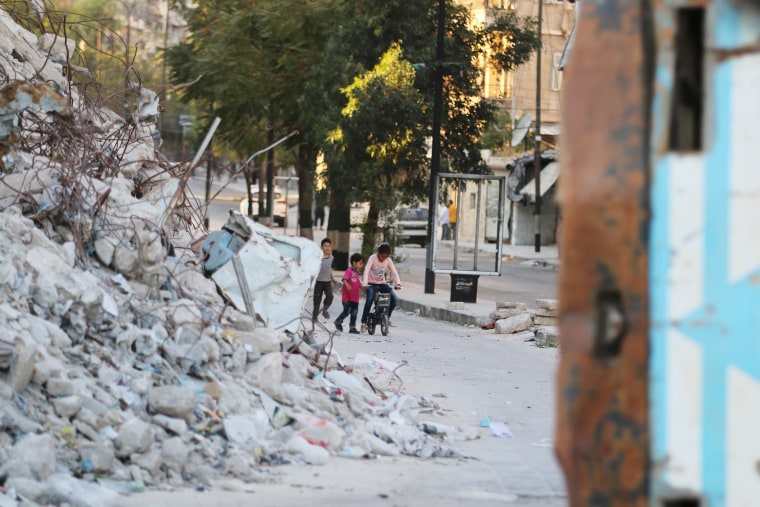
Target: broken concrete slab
514 324
172 401
277 295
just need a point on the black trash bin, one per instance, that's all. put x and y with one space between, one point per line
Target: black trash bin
464 288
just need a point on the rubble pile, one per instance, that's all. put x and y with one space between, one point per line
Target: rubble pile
539 325
122 364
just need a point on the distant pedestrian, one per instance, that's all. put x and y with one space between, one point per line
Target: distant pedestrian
324 283
443 219
453 219
319 218
352 288
320 199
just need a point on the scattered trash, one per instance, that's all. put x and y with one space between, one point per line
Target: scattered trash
500 430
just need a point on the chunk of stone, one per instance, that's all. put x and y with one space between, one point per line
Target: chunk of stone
548 304
263 338
36 453
22 365
170 424
48 368
100 455
545 321
26 487
150 461
504 313
135 436
126 261
514 324
172 401
547 336
174 453
511 304
105 247
67 406
72 491
266 373
184 312
58 386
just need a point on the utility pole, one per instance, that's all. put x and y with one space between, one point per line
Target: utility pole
537 159
270 175
435 156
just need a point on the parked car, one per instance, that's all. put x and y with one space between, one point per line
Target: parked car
280 211
409 225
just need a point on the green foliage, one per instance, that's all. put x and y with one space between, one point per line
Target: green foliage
356 79
498 132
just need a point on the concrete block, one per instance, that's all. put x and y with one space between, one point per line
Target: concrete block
266 373
514 324
545 321
149 461
22 365
504 313
58 386
511 304
172 401
264 339
100 454
548 304
49 367
135 436
174 453
184 312
547 336
67 406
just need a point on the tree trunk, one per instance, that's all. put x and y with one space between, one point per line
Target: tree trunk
339 227
305 164
370 230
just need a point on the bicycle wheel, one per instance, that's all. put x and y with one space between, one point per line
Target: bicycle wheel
371 323
384 324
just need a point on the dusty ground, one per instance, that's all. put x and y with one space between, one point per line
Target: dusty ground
471 374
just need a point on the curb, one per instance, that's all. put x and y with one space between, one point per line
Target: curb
443 314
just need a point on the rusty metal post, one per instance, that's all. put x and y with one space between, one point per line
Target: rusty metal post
537 159
602 430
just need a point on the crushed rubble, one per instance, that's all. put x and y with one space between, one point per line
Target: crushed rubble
129 357
539 325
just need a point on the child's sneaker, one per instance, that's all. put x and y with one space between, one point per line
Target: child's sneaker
338 326
364 327
353 330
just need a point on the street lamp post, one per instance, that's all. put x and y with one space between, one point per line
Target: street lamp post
537 159
435 156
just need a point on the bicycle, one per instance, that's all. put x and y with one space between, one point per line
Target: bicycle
378 315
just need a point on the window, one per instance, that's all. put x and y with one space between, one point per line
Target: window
473 201
556 73
687 102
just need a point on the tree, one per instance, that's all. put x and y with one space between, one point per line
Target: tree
319 67
371 28
251 63
382 133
